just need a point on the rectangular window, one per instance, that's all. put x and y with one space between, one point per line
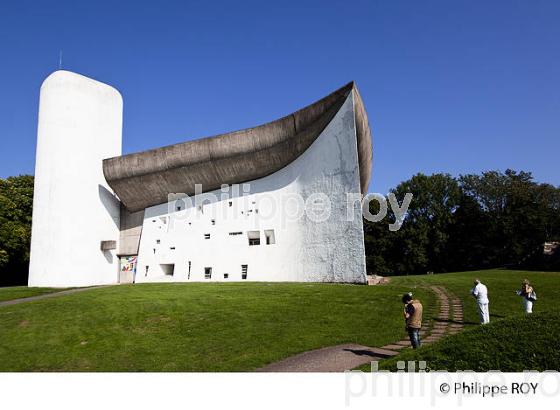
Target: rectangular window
147 269
158 241
254 238
206 236
230 203
235 233
269 235
172 248
226 275
213 222
244 269
168 269
189 275
207 273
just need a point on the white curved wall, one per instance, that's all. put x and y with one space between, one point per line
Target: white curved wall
304 250
80 124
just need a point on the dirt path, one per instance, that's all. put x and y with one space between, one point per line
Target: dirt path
349 356
47 295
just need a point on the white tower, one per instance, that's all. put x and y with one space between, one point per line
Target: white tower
75 215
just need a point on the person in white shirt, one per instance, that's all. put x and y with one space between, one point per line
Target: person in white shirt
480 292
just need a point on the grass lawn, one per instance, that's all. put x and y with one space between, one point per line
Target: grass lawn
17 292
196 326
511 342
501 284
243 326
518 343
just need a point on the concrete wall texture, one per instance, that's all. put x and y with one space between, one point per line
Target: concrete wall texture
181 245
252 235
80 124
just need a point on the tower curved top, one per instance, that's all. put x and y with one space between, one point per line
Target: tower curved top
66 78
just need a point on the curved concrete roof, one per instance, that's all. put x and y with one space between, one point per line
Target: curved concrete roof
146 178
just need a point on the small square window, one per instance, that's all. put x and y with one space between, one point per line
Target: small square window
254 238
207 273
158 241
226 275
168 269
213 222
206 236
230 203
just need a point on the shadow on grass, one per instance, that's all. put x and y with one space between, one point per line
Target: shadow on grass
361 352
451 321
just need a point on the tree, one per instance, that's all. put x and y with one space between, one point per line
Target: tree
494 219
420 244
16 206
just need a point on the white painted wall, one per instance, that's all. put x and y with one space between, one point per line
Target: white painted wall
330 251
80 124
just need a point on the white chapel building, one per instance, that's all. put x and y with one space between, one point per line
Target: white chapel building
277 202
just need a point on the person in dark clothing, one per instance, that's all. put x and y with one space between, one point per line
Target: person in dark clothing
413 319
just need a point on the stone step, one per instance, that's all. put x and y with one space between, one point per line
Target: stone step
393 347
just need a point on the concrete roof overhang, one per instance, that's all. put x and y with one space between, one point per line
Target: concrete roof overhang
146 178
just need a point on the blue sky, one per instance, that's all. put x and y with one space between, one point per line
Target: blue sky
449 86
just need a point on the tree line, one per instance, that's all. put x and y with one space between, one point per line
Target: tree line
475 221
16 206
495 219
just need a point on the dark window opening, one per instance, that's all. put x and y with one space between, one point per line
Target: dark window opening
269 235
207 273
168 269
254 238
